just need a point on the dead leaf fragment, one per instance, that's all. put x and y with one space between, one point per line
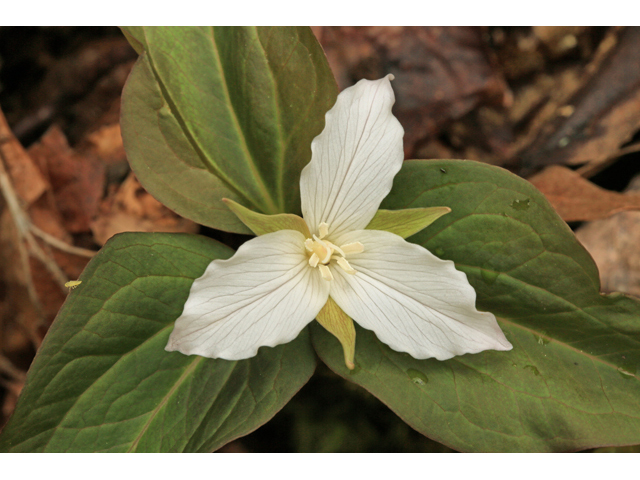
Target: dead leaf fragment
31 265
614 245
26 178
77 180
132 209
577 199
106 144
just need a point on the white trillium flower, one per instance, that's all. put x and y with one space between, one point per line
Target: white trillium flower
277 283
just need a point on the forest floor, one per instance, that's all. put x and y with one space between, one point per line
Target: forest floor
559 106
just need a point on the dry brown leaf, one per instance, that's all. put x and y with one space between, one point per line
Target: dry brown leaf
614 244
577 199
132 209
28 183
77 181
32 313
23 324
106 144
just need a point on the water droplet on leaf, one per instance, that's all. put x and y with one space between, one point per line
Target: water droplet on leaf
533 368
417 377
625 374
542 338
628 368
520 204
439 251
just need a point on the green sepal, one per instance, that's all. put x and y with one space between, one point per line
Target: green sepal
260 223
406 222
340 325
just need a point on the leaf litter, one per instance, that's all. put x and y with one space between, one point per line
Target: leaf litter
540 101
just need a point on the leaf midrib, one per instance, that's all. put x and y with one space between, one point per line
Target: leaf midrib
244 145
187 372
280 160
211 165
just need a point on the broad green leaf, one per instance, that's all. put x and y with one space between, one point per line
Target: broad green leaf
102 380
406 222
570 381
213 112
261 224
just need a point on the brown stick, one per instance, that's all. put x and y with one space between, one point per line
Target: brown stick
25 228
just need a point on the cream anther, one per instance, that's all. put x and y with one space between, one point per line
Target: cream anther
313 260
308 244
321 252
325 272
318 248
342 262
350 248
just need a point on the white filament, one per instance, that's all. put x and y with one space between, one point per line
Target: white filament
321 251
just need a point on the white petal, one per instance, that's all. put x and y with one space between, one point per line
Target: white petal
264 295
412 300
353 160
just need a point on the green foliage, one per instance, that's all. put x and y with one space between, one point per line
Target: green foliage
261 224
568 384
102 381
215 112
222 112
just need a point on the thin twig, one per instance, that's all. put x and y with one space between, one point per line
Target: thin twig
26 229
60 245
10 369
23 225
24 255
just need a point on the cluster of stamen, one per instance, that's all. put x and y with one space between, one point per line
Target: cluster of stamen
321 252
